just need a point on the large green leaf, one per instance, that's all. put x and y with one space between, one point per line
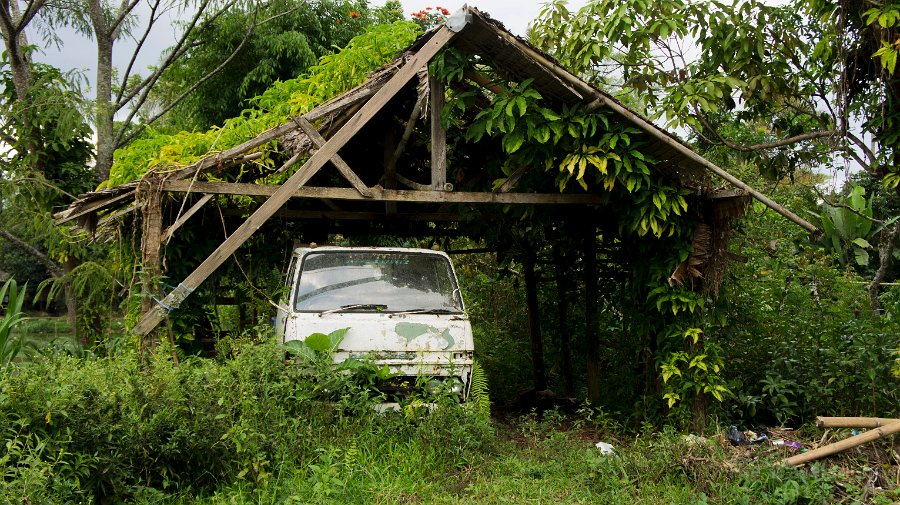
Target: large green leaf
318 342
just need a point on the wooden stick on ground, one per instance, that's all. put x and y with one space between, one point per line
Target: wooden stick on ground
843 445
853 422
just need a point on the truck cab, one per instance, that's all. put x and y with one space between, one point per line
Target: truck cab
403 308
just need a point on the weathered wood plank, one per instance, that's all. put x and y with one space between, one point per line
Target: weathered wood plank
117 214
337 161
356 216
151 247
389 195
438 135
727 193
152 318
63 217
167 234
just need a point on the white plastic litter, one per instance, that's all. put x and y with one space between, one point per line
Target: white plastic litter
604 448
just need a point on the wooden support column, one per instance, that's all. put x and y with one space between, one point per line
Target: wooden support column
390 168
591 316
438 136
425 53
563 288
534 324
151 245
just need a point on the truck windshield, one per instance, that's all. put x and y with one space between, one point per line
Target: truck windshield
370 281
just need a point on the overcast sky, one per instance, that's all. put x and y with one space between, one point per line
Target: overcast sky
79 53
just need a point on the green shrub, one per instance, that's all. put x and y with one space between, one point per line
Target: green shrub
106 429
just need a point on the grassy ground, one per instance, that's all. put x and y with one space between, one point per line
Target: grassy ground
41 330
536 461
248 429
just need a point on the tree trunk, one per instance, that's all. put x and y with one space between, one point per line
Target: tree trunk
591 317
534 324
72 305
103 109
885 257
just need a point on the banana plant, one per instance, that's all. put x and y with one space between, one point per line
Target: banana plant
848 227
10 344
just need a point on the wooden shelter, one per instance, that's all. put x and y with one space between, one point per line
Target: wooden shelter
367 134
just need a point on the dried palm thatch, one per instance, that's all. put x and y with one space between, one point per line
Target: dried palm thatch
705 267
689 269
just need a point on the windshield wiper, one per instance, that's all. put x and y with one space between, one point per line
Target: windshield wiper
426 311
356 306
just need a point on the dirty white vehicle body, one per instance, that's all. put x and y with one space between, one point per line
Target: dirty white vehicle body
402 306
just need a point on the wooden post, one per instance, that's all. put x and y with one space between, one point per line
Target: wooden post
853 422
534 323
843 445
151 242
591 316
390 168
438 135
152 318
563 288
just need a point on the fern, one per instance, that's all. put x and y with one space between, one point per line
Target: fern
479 399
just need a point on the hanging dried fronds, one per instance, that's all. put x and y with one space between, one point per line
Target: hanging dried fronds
689 269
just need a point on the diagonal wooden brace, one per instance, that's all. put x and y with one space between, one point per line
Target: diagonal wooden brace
338 162
154 316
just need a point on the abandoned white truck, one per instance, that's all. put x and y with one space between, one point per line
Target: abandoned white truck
402 308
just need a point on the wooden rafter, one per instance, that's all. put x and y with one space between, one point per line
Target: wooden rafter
167 234
421 58
356 216
388 195
337 161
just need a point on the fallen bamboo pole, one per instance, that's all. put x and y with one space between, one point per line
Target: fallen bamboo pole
853 422
843 445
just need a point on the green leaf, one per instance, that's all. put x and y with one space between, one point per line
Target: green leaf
318 342
862 256
861 242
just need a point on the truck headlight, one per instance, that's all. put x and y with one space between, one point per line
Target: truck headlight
455 386
433 386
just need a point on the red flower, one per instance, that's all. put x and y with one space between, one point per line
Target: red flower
354 14
444 11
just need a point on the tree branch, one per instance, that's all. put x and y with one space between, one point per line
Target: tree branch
137 49
845 206
864 148
124 10
32 251
121 139
767 145
31 10
177 50
867 167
